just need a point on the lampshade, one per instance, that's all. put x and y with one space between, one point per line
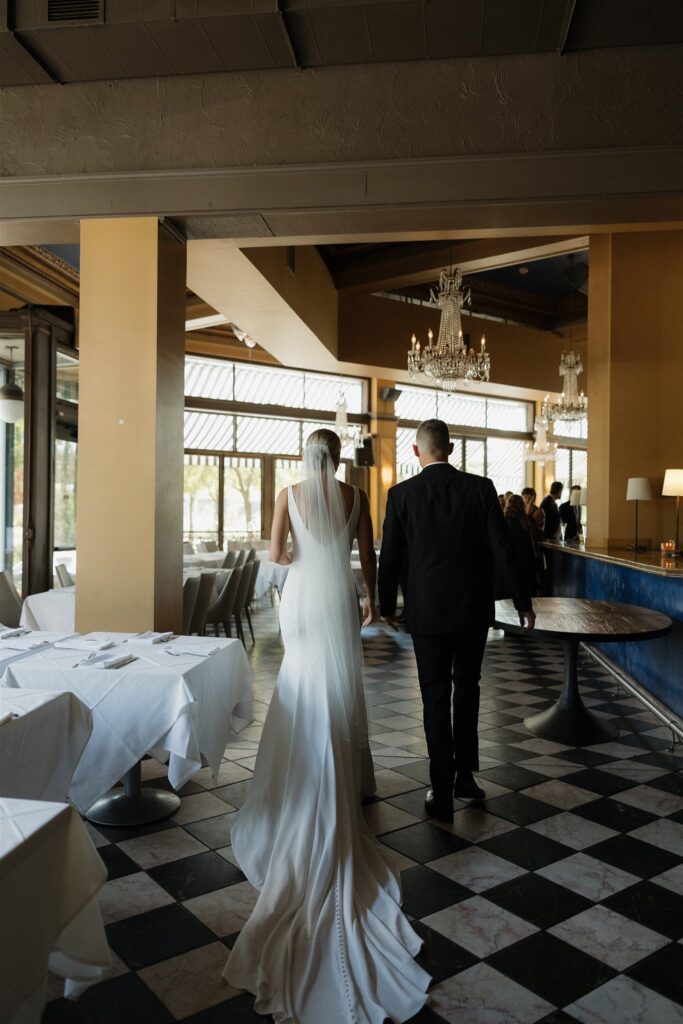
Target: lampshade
673 483
638 489
575 498
11 403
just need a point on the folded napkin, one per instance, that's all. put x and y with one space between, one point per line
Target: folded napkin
22 643
82 643
150 637
6 633
107 661
194 649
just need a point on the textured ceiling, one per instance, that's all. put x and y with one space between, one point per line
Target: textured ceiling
142 38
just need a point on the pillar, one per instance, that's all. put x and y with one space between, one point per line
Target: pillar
130 459
635 352
383 429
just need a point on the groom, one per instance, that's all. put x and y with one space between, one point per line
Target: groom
443 534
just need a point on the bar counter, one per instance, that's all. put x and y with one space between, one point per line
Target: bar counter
643 578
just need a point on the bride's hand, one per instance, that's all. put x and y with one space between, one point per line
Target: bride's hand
369 613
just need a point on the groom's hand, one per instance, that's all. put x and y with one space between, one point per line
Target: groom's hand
527 620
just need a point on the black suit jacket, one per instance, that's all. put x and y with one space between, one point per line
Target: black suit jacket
570 515
551 526
443 533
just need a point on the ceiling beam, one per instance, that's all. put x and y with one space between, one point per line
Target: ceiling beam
400 266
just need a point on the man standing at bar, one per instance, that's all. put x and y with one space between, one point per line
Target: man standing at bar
443 534
551 526
570 514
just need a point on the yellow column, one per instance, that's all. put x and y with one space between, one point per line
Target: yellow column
383 428
130 453
635 353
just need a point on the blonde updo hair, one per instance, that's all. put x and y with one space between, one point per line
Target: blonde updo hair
328 438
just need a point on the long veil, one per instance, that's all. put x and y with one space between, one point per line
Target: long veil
328 614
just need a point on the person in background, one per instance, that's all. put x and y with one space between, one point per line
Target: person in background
521 528
570 516
501 502
551 526
535 513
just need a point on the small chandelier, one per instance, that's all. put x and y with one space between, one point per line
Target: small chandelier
542 450
348 433
11 396
572 405
450 361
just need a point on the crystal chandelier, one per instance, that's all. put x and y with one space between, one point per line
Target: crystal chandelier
572 405
348 433
542 450
450 361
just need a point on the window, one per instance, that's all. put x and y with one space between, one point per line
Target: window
475 457
571 467
200 499
261 434
462 410
505 464
208 431
242 497
65 494
416 404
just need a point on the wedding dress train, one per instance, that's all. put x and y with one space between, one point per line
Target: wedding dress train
327 942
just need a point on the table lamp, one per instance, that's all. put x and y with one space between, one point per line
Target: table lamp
673 488
638 489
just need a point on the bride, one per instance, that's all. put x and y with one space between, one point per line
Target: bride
327 942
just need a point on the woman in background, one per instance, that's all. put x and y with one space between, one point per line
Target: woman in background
521 527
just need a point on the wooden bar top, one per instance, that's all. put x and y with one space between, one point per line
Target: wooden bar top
645 561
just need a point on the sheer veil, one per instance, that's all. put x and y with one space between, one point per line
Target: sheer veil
328 615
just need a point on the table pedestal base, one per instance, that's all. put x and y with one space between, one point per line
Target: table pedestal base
135 805
569 721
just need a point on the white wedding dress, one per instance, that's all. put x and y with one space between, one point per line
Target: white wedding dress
327 942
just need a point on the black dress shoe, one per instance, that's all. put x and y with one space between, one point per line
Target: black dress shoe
466 787
442 810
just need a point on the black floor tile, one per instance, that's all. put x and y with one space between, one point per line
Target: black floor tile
671 783
663 759
527 849
412 802
512 776
194 876
538 900
652 906
213 832
117 862
641 859
596 781
418 770
662 971
239 1010
118 834
427 1016
585 756
64 1011
426 891
440 957
614 814
125 998
557 1017
553 969
157 935
648 744
505 752
521 809
423 842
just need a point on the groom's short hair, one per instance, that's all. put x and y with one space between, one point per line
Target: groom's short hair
432 436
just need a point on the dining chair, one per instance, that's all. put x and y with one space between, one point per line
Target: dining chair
187 548
240 557
202 547
240 600
190 590
221 610
64 576
229 560
210 545
10 602
251 555
205 592
254 566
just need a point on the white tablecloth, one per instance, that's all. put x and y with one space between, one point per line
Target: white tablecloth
50 610
204 560
184 705
50 874
39 750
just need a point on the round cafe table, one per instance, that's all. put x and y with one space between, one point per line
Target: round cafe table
573 621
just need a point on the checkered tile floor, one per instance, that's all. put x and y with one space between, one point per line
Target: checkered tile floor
559 899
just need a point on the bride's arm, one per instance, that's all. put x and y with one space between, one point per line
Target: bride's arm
280 531
368 558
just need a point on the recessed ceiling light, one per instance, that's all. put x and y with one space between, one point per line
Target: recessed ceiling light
523 270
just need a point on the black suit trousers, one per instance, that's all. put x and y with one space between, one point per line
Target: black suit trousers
449 669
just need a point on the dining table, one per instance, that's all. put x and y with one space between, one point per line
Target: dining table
50 874
50 610
41 742
573 621
180 699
